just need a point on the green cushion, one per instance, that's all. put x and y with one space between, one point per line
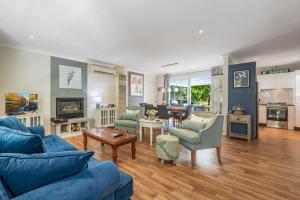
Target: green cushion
128 123
193 125
129 116
186 134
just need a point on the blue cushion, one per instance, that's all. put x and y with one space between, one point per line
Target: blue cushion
125 189
4 192
55 144
93 183
13 141
13 123
37 170
38 130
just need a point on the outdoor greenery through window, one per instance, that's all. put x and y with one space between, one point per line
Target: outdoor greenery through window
195 91
200 95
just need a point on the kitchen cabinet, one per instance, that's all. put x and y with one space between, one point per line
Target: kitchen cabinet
277 81
297 99
262 114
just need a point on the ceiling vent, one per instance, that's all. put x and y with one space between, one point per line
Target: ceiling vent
97 69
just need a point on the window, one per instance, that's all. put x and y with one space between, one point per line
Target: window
178 92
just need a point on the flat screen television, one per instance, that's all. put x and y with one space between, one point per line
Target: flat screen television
19 103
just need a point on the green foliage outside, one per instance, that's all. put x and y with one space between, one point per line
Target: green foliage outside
201 94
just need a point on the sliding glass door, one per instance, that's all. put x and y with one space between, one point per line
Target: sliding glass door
179 92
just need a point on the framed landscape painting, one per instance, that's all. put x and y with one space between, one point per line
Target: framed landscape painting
136 85
241 79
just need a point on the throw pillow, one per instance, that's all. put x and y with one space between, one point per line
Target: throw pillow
13 123
208 121
13 141
128 116
136 112
23 173
193 125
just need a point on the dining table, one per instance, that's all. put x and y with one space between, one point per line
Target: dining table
178 110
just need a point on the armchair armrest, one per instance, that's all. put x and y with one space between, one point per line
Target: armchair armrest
37 130
211 137
93 183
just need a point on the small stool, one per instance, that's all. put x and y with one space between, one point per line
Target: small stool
167 148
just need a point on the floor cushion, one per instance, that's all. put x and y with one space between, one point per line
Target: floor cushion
37 170
186 134
13 123
14 141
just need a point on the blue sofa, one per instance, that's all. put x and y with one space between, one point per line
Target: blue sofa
101 180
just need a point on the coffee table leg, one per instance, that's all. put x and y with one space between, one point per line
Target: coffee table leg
84 142
102 144
133 149
115 155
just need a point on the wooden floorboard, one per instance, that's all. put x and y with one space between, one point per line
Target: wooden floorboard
266 168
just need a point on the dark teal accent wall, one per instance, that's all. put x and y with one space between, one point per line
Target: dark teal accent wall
246 97
57 92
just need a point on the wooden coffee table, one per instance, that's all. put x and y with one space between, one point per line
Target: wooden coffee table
104 136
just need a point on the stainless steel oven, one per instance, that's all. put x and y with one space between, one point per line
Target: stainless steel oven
277 115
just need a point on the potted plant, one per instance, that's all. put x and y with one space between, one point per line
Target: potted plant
152 114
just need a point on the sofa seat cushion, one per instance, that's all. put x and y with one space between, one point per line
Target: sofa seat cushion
23 173
125 189
128 123
13 123
55 143
186 135
14 141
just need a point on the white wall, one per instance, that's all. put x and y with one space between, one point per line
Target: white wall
150 89
99 85
22 71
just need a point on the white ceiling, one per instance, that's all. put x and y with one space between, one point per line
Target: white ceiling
146 34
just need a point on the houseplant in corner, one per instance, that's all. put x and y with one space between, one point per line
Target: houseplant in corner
151 114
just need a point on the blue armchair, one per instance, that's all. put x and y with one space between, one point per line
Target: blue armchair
209 137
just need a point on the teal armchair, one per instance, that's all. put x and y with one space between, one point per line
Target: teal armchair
209 137
129 122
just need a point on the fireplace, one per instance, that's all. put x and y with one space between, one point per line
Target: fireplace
68 108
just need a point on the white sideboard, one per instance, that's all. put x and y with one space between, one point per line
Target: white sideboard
105 117
29 119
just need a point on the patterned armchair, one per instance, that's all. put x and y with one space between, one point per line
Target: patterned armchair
209 137
129 121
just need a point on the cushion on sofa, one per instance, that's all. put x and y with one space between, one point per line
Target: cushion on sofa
56 144
186 134
193 125
128 123
14 141
99 182
4 192
13 123
37 170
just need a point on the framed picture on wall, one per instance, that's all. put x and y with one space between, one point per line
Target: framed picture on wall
136 84
241 79
69 77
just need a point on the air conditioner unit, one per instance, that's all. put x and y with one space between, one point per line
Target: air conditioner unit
102 70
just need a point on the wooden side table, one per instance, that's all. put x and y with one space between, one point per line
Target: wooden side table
239 119
151 124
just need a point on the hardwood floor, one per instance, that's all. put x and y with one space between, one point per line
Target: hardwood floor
267 168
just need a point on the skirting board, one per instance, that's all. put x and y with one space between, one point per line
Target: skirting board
297 128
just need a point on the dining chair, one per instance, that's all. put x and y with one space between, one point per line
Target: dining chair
163 113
